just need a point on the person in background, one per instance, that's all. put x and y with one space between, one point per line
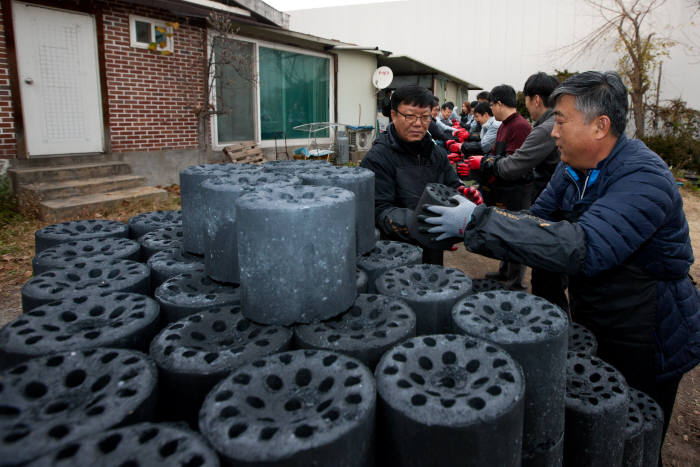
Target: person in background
453 114
466 117
612 219
475 126
443 118
510 194
483 96
537 157
487 137
439 132
404 160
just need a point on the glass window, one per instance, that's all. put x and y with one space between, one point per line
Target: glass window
294 89
146 33
234 64
143 31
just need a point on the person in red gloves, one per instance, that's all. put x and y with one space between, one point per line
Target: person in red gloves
539 156
513 194
439 132
481 143
404 160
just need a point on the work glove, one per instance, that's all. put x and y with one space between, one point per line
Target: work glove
471 163
455 157
453 146
452 220
463 169
474 162
488 168
462 135
471 193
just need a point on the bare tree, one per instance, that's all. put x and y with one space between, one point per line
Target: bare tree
225 64
627 22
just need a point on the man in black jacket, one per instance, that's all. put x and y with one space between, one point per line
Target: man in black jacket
404 160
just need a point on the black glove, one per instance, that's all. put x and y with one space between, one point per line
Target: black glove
394 222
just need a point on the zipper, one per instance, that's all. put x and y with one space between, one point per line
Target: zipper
571 174
591 175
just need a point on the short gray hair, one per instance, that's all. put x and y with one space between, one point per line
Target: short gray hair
597 94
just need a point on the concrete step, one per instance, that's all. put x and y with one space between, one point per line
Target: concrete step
26 176
65 189
64 159
67 208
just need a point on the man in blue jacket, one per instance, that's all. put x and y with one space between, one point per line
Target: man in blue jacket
612 219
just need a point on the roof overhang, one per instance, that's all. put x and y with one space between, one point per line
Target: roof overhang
403 65
252 9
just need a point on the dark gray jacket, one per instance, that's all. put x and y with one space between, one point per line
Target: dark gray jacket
401 173
538 152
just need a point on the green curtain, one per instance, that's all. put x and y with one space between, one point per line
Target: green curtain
235 90
294 89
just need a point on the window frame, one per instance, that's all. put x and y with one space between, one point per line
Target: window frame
270 143
170 47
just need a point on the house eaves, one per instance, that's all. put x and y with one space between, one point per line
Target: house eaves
403 65
292 38
258 11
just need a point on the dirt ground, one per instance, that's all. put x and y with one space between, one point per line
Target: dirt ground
681 446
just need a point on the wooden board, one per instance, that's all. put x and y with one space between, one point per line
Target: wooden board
246 152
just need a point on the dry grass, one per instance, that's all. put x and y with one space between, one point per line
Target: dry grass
17 244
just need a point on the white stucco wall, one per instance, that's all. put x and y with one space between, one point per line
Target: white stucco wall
502 41
357 100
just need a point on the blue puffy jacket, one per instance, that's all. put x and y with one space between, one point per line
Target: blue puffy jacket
620 233
632 212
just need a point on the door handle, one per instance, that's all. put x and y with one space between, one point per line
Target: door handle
28 80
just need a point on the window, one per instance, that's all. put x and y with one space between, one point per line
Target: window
234 64
145 32
292 88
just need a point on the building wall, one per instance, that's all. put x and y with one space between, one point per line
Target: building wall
151 96
504 41
7 123
356 94
452 93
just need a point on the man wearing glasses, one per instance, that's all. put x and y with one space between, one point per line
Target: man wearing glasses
404 160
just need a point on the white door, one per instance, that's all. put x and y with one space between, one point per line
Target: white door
59 80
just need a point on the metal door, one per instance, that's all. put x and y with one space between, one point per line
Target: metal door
59 80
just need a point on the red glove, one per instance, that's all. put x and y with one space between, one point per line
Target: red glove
463 169
454 157
454 120
474 162
462 135
472 194
455 124
453 146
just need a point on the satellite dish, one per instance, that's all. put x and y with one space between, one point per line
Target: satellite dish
382 77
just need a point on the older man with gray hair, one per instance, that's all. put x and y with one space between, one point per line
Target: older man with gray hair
612 219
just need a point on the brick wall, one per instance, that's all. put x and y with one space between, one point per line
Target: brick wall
7 123
151 95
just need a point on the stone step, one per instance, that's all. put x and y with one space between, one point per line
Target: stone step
26 176
68 188
68 208
64 159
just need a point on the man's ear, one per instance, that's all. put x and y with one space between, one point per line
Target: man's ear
393 114
603 125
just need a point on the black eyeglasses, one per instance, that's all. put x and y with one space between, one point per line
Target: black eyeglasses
424 119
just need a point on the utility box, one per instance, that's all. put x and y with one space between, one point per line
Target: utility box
361 137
